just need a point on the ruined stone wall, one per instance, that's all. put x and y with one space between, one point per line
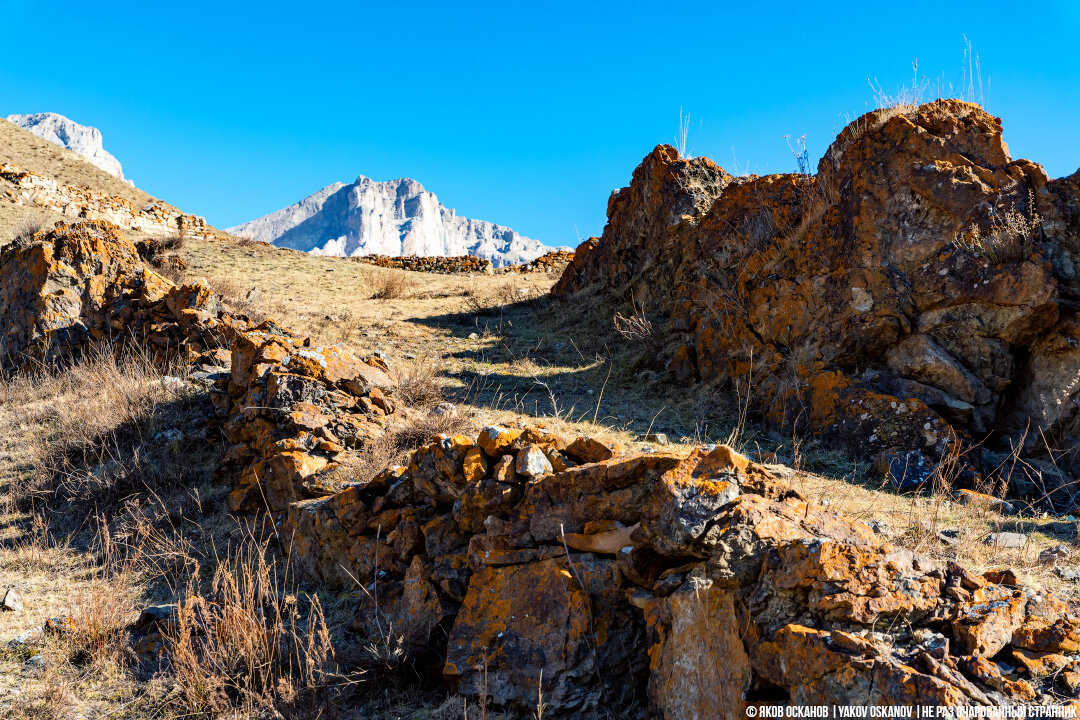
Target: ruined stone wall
553 261
660 585
443 265
290 411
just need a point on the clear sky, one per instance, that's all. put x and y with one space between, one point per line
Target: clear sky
524 114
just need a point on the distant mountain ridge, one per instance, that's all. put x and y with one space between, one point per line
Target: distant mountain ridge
81 139
394 217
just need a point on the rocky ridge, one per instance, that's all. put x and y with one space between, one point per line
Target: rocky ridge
912 301
81 139
393 218
26 188
291 411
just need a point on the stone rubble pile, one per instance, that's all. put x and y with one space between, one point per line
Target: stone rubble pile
914 298
554 261
27 188
440 264
290 410
663 585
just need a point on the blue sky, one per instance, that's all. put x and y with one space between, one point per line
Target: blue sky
525 114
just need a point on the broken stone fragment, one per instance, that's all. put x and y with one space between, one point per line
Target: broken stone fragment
496 440
1010 540
700 667
532 463
11 601
591 450
986 625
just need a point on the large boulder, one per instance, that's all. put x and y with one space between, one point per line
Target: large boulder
917 294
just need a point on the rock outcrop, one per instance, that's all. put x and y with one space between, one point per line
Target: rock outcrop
660 585
292 412
915 297
80 139
393 218
26 188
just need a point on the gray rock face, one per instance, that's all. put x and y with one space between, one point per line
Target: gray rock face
396 217
81 139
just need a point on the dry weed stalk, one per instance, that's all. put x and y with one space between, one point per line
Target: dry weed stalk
246 644
1012 234
418 383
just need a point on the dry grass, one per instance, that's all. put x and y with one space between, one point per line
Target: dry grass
247 643
1011 236
97 424
30 152
419 384
389 284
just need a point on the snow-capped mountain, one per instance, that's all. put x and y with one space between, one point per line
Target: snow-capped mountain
81 139
395 217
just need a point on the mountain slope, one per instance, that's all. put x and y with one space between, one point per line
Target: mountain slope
396 217
23 149
80 139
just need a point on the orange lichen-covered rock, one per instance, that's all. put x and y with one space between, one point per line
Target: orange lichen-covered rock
567 623
644 581
891 302
474 465
698 666
847 583
590 450
832 667
496 440
985 625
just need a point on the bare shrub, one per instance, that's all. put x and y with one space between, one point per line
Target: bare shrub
389 284
635 328
1011 236
418 384
28 226
240 297
486 301
422 429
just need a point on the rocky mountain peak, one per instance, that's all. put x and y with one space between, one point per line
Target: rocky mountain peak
392 217
66 133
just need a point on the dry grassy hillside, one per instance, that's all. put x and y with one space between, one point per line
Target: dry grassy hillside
29 152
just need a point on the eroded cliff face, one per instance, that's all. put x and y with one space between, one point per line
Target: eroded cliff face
915 294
